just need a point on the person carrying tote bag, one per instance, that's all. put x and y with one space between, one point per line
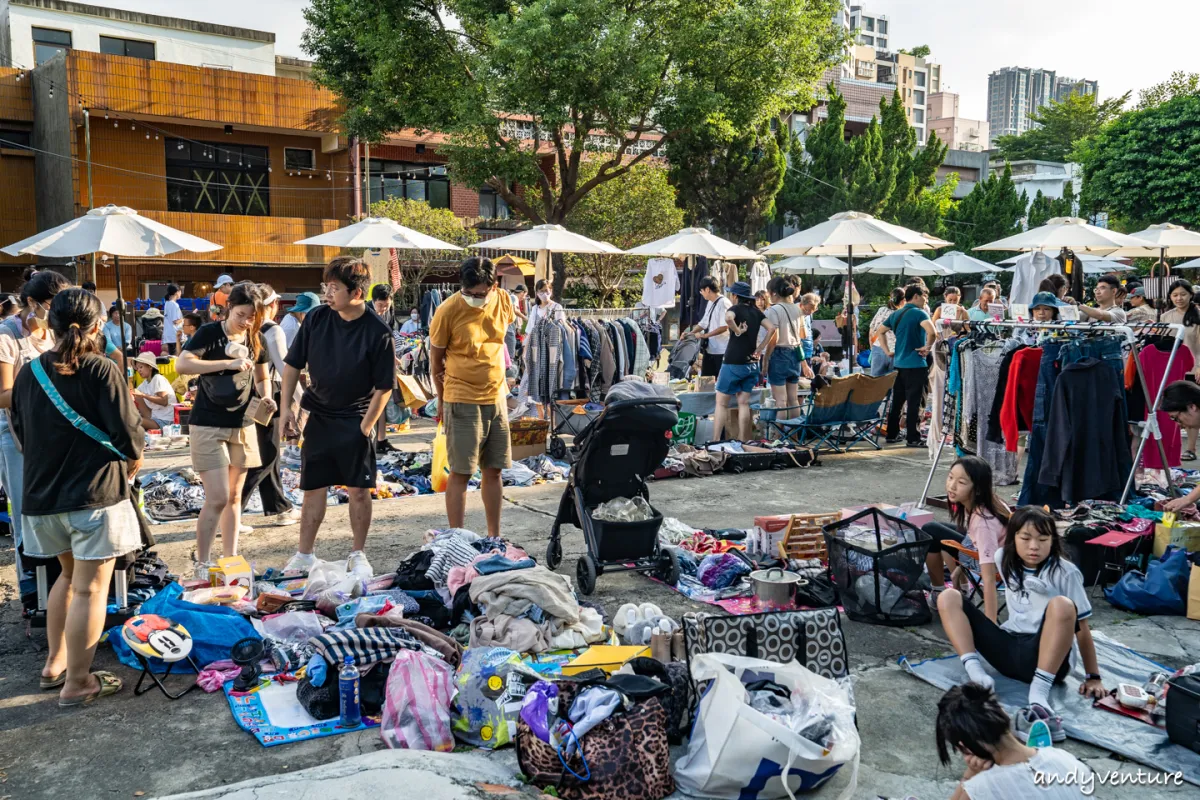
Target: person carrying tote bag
77 505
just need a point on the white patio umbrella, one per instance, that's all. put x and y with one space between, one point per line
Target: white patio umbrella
810 265
905 262
695 242
1070 232
962 264
1165 241
1092 264
847 233
1195 262
116 230
378 232
545 240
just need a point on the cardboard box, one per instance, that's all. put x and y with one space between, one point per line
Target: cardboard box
768 533
609 658
1173 532
232 571
520 451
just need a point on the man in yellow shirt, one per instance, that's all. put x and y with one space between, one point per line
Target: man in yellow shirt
466 339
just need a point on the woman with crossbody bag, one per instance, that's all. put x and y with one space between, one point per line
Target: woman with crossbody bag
712 331
784 353
77 500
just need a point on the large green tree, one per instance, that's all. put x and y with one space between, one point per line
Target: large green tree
440 223
729 179
526 88
1179 84
1043 208
637 209
993 210
1144 168
1060 126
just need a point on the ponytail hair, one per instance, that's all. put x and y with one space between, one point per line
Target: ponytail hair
248 293
781 287
73 315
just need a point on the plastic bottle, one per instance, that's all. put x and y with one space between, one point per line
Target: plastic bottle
348 695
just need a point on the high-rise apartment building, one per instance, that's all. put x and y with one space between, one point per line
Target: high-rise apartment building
873 30
1016 92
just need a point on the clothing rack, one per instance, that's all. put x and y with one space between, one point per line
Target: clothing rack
1132 333
603 312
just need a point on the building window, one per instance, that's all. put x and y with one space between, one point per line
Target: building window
492 205
870 23
18 140
864 39
299 158
112 46
881 43
883 26
919 97
47 43
427 182
207 178
921 79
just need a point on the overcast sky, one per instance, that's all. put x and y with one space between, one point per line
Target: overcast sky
1122 44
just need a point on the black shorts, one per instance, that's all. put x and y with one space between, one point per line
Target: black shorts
710 364
1013 655
941 532
335 453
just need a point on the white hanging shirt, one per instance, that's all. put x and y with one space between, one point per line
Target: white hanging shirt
760 275
660 284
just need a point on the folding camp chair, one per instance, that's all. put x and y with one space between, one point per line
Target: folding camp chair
847 411
974 579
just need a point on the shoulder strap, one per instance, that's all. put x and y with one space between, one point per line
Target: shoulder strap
71 414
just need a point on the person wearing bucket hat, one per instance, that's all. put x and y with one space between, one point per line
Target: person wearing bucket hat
739 369
218 301
294 317
154 397
1044 307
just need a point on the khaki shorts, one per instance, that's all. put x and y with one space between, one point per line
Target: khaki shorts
217 448
476 436
91 534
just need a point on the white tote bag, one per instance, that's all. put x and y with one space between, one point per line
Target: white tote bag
738 752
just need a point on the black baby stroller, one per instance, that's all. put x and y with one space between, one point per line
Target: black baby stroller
613 458
683 356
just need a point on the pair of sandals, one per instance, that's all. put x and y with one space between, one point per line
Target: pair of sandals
110 684
1188 455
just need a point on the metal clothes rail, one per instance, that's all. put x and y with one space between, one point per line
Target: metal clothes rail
1133 333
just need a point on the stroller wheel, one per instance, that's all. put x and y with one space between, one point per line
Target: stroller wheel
667 567
558 449
553 553
585 572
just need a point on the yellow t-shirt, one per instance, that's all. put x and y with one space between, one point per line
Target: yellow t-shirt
474 342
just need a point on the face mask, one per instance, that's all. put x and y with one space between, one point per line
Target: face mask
544 297
414 317
475 302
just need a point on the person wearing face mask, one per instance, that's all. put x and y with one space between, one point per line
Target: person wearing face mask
466 357
23 337
542 307
413 323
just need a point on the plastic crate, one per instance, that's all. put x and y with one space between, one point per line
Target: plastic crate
684 431
805 537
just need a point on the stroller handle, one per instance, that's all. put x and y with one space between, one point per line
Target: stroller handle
645 401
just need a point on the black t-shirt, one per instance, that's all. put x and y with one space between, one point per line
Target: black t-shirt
742 345
222 397
65 469
346 360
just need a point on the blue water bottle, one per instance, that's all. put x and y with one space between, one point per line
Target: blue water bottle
348 695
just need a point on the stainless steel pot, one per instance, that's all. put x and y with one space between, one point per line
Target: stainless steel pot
774 588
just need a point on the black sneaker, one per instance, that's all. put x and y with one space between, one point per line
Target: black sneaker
384 447
921 443
893 439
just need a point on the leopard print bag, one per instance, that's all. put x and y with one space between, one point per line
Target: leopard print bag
627 755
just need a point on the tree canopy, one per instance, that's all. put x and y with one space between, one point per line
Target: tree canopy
525 89
1043 208
637 209
1059 127
440 223
993 210
729 179
1144 168
1179 84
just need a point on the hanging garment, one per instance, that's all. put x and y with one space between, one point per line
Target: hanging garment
730 273
969 425
995 433
570 352
1028 273
660 284
1032 492
938 375
545 361
986 374
760 276
641 352
1087 445
1154 366
1016 410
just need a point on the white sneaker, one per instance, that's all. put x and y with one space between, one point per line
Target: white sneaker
289 517
358 565
245 530
200 570
300 563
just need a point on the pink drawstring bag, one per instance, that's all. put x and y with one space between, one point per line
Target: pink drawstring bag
416 709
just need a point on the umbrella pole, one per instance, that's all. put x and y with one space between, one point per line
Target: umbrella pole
851 307
120 305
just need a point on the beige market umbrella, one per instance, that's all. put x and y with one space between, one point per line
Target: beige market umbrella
1164 241
962 264
545 240
810 265
847 233
1070 232
695 242
378 232
116 230
905 262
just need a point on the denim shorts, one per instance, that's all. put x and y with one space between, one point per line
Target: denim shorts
737 378
90 534
784 367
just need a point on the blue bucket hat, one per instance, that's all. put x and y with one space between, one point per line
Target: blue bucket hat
1045 299
741 289
305 303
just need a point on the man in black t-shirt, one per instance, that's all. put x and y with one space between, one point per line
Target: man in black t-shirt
347 350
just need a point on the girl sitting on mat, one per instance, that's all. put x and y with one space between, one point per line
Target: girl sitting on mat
1048 609
972 722
979 518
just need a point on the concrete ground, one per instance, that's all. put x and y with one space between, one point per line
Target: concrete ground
129 746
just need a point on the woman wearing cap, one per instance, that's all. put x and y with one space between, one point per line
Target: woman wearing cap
114 328
294 317
154 397
739 368
1140 310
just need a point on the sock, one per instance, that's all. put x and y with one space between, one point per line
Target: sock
974 667
1039 689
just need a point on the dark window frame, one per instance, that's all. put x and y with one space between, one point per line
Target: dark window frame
15 139
311 166
49 43
490 202
411 181
125 43
212 178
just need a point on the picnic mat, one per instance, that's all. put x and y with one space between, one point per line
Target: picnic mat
1128 737
274 716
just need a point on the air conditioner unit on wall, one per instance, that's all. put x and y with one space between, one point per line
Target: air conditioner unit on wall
332 143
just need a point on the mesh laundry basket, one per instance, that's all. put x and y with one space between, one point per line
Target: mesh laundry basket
876 562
